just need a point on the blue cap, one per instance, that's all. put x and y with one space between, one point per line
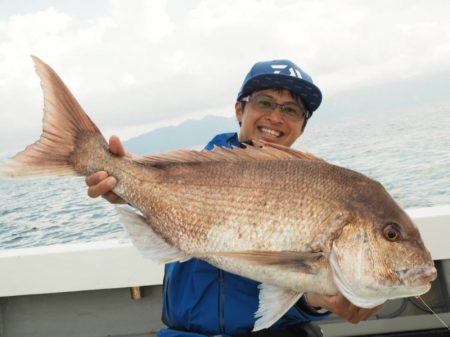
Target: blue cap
282 74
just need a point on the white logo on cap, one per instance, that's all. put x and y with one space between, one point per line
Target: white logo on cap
277 68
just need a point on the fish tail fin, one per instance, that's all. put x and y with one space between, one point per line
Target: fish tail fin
64 124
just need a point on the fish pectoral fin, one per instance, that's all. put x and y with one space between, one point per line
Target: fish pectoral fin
301 261
274 302
149 243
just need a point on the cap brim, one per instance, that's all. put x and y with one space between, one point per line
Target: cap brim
309 93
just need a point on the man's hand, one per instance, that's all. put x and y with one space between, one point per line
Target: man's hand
100 183
340 306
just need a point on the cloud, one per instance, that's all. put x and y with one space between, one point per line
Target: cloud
141 64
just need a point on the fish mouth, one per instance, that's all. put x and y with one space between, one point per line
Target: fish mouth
418 277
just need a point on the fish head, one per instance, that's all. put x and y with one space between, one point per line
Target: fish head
379 253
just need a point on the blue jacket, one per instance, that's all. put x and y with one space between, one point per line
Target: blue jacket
202 300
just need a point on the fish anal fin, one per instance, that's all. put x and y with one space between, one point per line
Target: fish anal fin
274 302
147 241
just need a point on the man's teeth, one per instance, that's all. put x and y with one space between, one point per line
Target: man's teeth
271 132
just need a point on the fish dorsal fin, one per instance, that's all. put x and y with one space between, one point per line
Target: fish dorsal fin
274 302
266 151
177 156
296 153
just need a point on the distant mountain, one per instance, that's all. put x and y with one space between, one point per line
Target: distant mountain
427 92
189 134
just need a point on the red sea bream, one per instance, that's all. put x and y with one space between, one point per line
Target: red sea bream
291 221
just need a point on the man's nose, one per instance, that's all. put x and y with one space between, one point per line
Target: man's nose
276 114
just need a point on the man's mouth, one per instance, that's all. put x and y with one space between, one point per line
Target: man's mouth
270 132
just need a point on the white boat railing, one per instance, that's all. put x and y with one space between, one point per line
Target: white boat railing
115 264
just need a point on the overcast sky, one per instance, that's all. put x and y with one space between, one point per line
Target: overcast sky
138 65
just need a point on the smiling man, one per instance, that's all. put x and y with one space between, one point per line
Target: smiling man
264 121
274 104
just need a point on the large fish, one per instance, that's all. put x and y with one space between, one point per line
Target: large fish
291 221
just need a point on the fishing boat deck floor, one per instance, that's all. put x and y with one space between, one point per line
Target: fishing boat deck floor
109 312
114 313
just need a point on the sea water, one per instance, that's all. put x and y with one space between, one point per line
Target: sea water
407 151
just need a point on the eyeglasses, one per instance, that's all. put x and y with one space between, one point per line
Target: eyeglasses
267 104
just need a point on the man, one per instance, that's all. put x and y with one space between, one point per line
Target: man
274 104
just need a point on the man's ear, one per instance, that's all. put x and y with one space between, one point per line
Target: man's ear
239 112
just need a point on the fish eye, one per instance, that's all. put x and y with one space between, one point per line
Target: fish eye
391 232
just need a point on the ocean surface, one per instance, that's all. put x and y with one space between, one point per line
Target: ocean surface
408 151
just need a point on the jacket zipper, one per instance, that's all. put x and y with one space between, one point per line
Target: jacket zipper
168 312
221 302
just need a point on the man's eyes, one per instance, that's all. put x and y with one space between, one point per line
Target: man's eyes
265 103
290 109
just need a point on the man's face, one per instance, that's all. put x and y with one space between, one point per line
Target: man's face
274 126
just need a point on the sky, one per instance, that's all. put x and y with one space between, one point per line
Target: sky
138 65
